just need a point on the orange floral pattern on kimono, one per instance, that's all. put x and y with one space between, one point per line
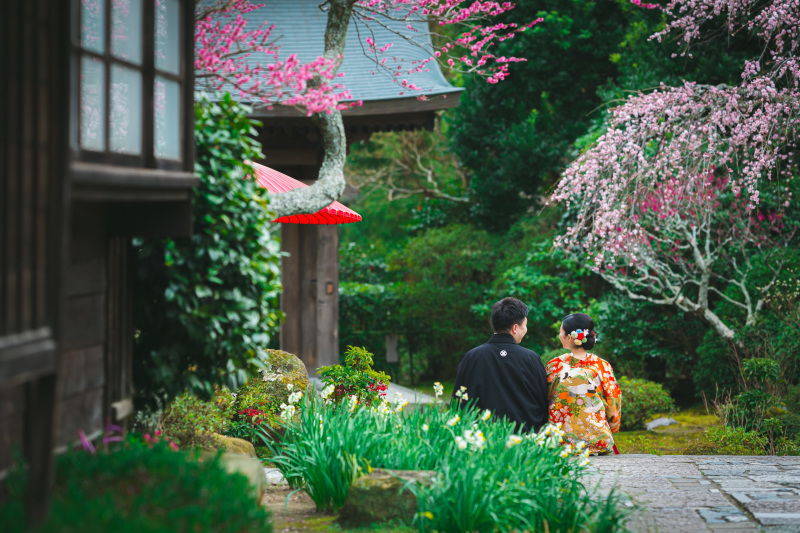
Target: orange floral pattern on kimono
585 400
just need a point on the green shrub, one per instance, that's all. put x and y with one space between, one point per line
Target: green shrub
355 377
641 401
138 489
727 441
792 399
258 402
192 422
205 305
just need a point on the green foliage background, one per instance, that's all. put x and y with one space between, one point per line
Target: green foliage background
429 270
207 305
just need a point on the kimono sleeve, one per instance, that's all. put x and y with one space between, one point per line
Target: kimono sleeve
612 397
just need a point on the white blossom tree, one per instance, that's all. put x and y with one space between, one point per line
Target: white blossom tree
669 203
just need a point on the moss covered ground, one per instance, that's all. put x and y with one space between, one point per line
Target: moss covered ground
668 440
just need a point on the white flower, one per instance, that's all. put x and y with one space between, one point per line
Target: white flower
461 392
287 412
289 386
327 391
475 438
438 389
295 397
486 414
513 440
399 405
461 443
465 396
352 401
453 421
425 427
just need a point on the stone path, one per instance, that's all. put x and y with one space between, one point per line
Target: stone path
689 493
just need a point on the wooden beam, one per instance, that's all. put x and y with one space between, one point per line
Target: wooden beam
374 107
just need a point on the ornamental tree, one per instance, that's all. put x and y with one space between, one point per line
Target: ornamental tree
668 204
223 42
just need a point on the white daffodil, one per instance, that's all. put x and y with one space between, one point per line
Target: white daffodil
453 421
327 391
295 397
486 415
352 401
287 412
289 386
513 440
461 392
425 428
438 390
475 438
461 443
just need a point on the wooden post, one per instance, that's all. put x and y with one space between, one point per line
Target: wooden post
307 312
290 279
327 295
40 399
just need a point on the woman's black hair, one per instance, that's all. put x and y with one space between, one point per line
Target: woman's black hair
581 321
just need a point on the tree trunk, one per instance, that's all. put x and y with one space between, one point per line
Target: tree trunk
331 183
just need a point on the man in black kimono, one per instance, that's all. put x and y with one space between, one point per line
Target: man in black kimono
504 377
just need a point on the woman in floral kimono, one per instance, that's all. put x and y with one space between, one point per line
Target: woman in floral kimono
584 396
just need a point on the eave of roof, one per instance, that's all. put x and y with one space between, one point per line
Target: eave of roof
300 29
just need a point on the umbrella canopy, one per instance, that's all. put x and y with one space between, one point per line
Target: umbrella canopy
277 182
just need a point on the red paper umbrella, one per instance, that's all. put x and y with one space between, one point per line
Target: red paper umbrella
277 182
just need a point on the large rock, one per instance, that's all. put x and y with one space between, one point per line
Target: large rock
270 388
235 446
249 467
382 495
660 422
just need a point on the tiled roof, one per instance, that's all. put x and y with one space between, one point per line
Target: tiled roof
300 29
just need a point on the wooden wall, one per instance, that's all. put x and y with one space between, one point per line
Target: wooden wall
84 326
95 361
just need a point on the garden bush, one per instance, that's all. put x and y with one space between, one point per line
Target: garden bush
792 399
727 441
487 479
258 402
641 401
192 422
140 489
355 378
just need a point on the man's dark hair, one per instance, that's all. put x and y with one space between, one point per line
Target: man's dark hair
506 313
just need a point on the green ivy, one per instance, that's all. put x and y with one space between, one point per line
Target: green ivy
207 305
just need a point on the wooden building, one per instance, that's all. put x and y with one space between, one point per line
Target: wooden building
291 145
96 145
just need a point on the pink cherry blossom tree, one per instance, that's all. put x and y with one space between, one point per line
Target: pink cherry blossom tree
668 203
224 42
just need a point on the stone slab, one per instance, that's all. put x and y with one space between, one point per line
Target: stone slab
731 494
656 499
